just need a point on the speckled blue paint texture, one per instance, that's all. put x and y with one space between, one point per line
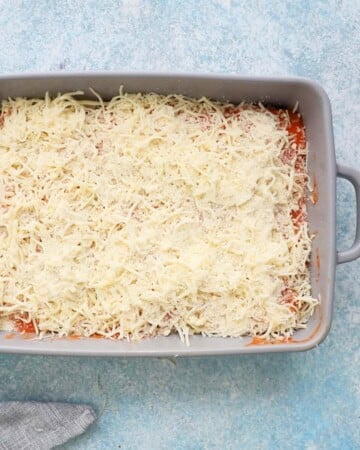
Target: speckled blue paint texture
281 401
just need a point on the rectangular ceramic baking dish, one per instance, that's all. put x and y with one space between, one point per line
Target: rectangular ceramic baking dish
314 105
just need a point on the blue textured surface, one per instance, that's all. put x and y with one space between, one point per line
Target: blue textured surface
288 401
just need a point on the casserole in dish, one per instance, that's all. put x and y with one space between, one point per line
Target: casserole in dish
314 107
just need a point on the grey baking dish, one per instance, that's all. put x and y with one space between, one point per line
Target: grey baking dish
315 108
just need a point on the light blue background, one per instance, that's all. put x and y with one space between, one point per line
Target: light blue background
289 401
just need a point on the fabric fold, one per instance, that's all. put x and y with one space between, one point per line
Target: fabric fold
41 426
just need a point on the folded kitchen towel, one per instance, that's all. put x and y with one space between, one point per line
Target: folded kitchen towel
41 426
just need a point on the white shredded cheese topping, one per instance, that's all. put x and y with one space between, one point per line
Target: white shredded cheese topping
149 214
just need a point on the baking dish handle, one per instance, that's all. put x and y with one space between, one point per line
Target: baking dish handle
352 175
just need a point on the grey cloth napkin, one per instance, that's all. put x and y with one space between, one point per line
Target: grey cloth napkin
41 426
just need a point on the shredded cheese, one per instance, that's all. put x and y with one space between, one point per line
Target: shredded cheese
150 214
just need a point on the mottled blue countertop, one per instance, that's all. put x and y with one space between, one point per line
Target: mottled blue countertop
288 401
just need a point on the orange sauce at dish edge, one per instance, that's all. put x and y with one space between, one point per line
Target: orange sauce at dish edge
318 259
296 128
73 337
22 335
24 327
261 341
96 336
10 336
314 197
